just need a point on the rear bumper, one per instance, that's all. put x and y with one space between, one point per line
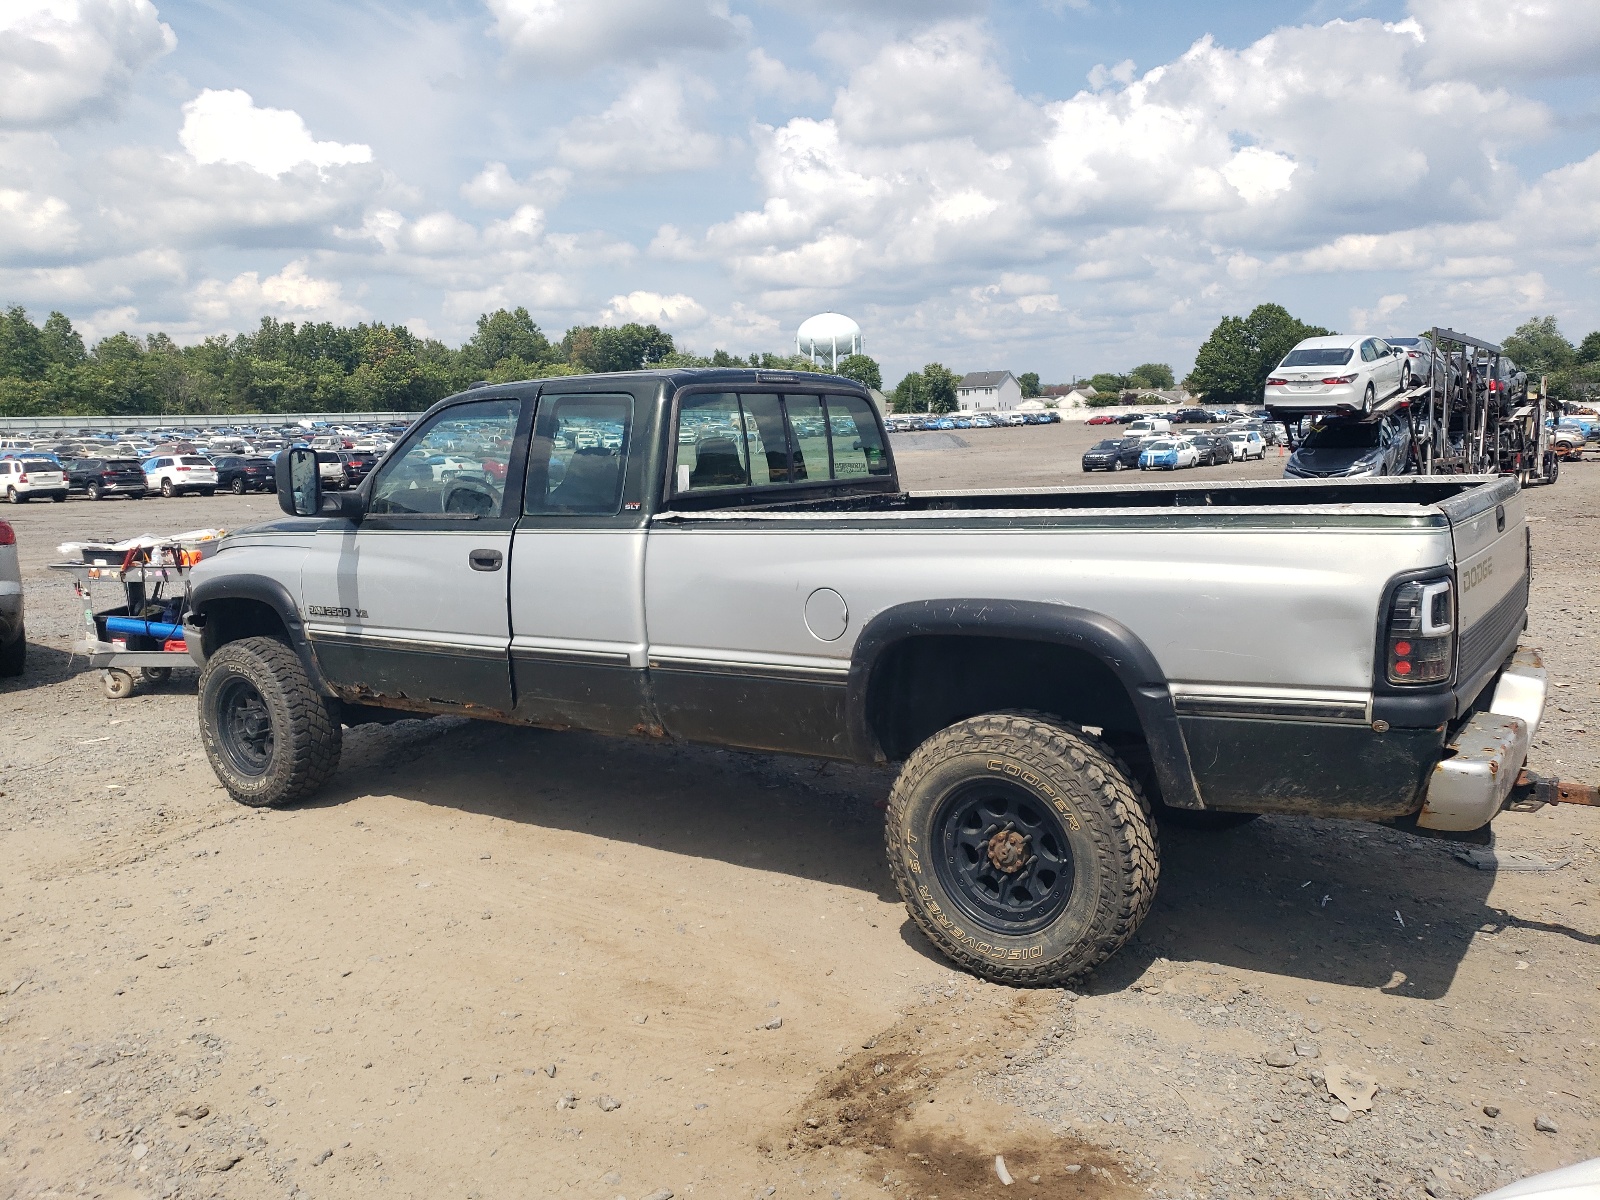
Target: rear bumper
1465 791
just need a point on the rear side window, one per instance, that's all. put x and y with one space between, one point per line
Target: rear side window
757 439
857 444
586 439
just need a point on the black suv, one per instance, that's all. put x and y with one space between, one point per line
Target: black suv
358 464
241 474
1128 451
98 478
1102 456
1214 448
1192 416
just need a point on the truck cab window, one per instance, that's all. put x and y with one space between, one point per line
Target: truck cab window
857 444
457 465
711 445
765 438
808 425
583 443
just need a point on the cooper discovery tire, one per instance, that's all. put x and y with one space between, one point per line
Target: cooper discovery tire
270 737
1022 847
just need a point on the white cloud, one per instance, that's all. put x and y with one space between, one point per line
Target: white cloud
494 188
293 293
33 226
572 35
647 129
63 59
941 83
1529 37
675 312
772 77
227 127
1363 319
1258 174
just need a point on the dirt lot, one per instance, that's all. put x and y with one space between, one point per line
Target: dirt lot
494 962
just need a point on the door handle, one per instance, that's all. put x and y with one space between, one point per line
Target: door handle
485 560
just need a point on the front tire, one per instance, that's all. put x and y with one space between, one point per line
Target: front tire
237 487
93 491
270 737
1021 847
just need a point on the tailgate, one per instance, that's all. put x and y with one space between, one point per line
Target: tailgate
1491 553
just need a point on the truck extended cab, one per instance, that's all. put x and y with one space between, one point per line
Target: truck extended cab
727 557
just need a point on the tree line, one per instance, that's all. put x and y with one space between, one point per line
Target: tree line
46 370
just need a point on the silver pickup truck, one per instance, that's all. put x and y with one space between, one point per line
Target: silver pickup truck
726 556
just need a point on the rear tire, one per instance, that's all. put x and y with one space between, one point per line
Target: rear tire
167 489
58 497
14 496
1366 402
270 737
118 684
14 655
237 487
208 491
1070 890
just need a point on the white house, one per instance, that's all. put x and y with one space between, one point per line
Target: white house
988 391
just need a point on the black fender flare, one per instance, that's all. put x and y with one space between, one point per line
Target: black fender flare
262 589
1096 634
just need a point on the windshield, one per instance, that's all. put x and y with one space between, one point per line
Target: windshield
1322 356
1109 444
1159 447
1346 435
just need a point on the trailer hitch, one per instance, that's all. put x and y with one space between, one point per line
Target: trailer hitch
1532 792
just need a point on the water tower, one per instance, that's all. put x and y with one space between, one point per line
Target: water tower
827 339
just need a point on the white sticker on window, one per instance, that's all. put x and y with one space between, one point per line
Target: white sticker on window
683 477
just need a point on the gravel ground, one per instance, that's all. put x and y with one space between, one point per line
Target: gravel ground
367 996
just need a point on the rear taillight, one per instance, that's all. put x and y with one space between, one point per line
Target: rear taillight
8 535
1337 379
1277 382
1421 632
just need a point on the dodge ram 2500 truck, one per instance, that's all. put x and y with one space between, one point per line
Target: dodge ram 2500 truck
727 557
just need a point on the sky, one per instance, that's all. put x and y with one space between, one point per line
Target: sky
1060 186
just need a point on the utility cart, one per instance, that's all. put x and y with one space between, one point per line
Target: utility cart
143 633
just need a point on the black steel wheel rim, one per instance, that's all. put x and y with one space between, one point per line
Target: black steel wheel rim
1003 856
244 727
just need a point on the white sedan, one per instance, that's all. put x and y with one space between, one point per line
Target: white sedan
1336 374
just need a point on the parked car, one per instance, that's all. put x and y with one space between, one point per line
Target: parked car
1040 685
181 474
1335 374
1508 383
98 478
330 469
238 473
1213 448
1101 419
1247 443
1129 418
1168 454
1149 427
1420 354
13 637
21 479
1102 456
1193 416
1349 447
1128 451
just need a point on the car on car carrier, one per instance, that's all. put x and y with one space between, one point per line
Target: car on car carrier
727 557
